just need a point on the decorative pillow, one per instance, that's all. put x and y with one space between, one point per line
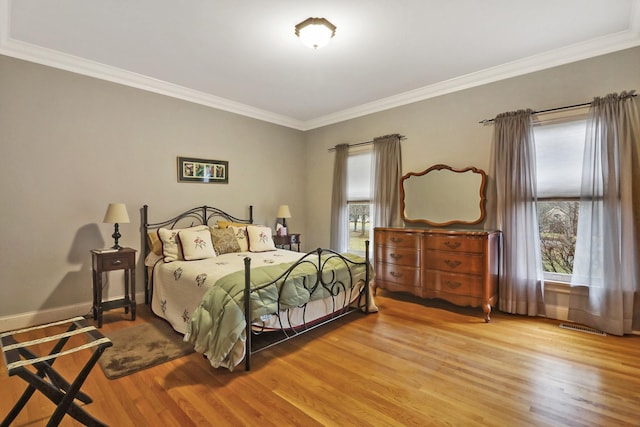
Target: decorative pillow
152 259
154 242
224 241
171 250
260 238
196 244
227 224
241 237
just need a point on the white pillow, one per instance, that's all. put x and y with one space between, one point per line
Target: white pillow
196 244
171 250
241 237
260 238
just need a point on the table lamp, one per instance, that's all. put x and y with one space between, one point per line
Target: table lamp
284 213
116 214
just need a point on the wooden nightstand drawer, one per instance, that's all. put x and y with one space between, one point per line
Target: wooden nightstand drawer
287 240
117 261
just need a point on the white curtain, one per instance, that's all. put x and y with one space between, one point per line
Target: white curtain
521 279
386 168
607 257
339 239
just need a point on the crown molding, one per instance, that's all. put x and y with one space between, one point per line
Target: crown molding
29 52
55 59
592 48
554 58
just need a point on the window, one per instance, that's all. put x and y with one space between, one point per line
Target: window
359 198
559 156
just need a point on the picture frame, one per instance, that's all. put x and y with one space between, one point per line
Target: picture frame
203 170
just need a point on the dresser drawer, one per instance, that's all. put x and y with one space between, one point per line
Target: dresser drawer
454 262
455 243
406 276
398 256
398 240
117 261
456 284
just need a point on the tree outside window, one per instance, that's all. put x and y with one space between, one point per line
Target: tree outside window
359 226
359 198
558 222
559 152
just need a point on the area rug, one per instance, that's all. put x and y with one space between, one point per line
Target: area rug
140 347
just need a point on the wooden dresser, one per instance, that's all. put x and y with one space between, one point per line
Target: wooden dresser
459 266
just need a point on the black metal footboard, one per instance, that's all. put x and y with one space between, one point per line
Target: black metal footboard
342 294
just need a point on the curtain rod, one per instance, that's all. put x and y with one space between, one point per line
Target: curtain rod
357 144
549 110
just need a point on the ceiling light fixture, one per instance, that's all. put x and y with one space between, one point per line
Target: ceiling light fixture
315 32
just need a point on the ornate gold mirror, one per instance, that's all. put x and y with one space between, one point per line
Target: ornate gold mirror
442 195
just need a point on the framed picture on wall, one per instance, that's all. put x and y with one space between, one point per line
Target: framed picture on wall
203 170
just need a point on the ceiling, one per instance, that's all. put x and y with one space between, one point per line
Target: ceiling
243 56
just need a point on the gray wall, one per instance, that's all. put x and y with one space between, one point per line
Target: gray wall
446 130
72 144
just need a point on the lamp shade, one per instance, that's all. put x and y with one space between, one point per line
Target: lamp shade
315 32
284 212
116 214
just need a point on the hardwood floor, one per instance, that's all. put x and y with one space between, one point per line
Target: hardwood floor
415 363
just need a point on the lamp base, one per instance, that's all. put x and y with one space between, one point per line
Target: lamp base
116 235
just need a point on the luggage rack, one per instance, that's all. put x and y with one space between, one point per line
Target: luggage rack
19 358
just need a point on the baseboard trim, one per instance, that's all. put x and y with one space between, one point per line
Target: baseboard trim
33 318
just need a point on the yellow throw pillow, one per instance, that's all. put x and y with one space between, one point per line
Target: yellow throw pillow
155 244
226 224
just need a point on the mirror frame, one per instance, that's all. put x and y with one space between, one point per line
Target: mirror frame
438 167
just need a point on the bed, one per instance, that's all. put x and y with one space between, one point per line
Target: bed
220 280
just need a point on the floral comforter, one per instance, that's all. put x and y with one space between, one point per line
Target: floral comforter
217 327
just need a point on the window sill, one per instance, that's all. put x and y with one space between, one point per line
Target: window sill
564 288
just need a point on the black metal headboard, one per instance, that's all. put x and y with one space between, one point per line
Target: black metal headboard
200 215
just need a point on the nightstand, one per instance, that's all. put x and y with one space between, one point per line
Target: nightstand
102 262
288 240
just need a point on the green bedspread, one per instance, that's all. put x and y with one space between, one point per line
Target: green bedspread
217 326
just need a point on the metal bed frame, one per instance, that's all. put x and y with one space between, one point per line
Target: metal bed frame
321 278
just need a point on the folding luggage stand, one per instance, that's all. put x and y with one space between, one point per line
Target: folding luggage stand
17 357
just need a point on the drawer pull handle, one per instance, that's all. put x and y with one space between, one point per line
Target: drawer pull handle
395 256
451 245
394 274
452 285
116 262
396 239
452 263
